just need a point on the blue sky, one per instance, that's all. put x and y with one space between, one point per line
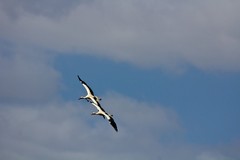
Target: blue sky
208 103
167 70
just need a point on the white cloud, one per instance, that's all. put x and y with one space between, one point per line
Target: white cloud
27 77
167 34
52 8
139 114
68 131
212 156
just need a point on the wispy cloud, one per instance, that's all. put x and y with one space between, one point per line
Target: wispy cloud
68 131
27 77
166 34
63 131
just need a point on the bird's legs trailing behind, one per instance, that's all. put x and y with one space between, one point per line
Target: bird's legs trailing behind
94 113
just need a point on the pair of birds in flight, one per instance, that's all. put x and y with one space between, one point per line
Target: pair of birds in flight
95 101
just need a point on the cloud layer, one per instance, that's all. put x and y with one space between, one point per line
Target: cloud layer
166 34
68 131
27 78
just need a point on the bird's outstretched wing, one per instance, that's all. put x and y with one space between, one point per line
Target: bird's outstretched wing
112 122
88 89
98 106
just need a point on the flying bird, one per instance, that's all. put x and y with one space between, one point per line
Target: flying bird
90 97
103 113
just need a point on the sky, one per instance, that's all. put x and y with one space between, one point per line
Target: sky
167 70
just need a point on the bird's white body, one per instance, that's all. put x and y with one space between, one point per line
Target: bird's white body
103 113
90 95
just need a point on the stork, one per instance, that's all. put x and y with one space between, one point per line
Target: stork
103 113
90 97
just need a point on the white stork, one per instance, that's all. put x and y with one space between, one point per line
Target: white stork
90 97
103 113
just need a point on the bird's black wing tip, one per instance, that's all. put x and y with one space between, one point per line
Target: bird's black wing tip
79 78
116 129
114 125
